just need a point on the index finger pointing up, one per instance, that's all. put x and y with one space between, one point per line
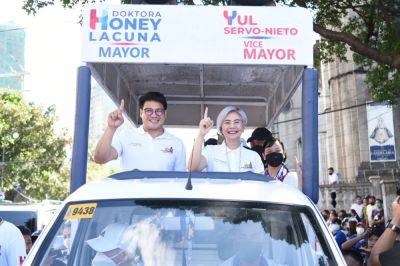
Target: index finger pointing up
121 106
206 112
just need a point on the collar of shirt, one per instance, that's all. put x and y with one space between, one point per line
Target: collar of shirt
223 150
282 173
164 135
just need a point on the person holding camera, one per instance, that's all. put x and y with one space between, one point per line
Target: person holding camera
386 251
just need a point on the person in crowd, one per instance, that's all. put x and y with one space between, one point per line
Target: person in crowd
259 136
354 215
371 206
342 215
211 141
150 147
230 156
325 214
333 176
352 257
111 245
364 211
357 206
275 156
352 229
372 239
336 231
26 233
333 216
378 216
386 251
357 241
12 244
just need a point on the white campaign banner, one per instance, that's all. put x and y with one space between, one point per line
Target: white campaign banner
381 132
198 34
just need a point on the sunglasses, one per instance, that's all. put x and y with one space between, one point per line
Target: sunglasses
150 111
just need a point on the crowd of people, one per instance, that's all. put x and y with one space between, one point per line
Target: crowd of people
362 233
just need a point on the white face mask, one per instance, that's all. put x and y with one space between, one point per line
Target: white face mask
102 260
359 230
334 228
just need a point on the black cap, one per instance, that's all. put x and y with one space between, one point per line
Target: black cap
260 133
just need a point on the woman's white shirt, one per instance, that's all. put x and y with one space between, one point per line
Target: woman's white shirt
222 159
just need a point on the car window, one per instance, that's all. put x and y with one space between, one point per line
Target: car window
154 232
26 218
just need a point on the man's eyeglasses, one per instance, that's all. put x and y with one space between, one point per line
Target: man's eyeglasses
158 112
236 122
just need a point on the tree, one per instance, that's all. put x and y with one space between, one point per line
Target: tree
370 28
32 155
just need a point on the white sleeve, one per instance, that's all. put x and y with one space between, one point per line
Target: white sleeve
292 180
117 143
180 163
16 252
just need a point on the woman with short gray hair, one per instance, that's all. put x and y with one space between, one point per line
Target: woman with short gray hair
230 156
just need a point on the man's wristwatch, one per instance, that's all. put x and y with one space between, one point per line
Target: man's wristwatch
393 227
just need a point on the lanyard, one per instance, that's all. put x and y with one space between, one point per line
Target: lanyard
282 173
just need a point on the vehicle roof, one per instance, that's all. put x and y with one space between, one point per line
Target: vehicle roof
219 187
35 206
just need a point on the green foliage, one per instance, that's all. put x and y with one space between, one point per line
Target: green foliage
32 154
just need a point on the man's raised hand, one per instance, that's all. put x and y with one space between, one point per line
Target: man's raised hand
205 124
115 118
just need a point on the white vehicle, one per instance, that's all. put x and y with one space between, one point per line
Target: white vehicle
199 57
34 216
224 216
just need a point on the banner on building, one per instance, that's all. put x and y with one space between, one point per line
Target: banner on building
198 34
381 132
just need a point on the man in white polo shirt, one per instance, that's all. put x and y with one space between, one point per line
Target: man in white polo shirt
150 147
12 245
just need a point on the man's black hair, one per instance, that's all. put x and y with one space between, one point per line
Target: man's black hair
24 230
331 168
153 96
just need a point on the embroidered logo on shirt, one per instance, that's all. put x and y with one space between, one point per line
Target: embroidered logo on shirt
168 150
247 165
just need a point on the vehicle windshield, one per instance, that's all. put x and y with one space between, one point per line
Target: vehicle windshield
164 232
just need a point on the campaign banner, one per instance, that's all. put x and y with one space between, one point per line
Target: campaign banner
381 132
198 34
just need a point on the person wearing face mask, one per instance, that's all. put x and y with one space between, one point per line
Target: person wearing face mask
357 241
111 246
336 231
230 156
378 216
275 156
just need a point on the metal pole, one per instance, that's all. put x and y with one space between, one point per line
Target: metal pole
80 147
310 134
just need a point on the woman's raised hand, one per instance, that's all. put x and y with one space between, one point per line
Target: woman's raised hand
205 124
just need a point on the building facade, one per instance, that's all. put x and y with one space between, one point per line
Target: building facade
344 136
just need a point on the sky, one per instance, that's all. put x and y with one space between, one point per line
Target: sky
52 56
